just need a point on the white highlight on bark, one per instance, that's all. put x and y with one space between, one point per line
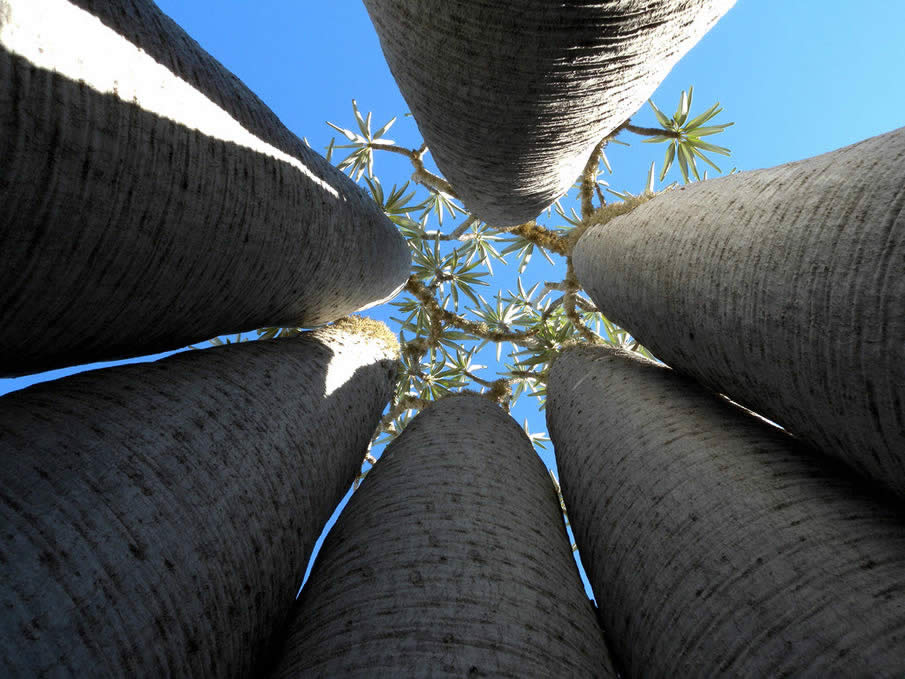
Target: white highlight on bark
341 370
60 37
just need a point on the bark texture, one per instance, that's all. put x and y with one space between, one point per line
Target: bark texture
717 545
150 200
783 288
513 96
450 560
157 518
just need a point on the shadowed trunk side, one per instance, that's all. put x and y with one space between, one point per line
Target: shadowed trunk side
512 97
158 517
151 201
451 558
782 288
717 544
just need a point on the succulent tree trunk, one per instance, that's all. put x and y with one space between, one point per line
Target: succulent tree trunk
150 200
782 288
157 518
450 560
718 545
512 97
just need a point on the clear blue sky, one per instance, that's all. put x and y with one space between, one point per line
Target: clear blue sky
798 77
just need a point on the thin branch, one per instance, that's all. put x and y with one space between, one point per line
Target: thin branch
569 306
589 179
408 153
421 175
484 383
542 237
456 234
439 315
652 131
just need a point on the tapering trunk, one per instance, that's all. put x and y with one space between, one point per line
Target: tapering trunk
512 97
783 288
150 200
717 545
157 518
450 560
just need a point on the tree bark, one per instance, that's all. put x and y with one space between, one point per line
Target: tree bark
150 200
718 545
512 97
451 559
782 288
157 518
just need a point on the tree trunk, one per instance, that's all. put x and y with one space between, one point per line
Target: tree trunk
512 97
783 288
451 560
158 518
150 200
717 545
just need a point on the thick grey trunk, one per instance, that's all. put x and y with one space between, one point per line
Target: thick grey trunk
783 288
451 560
150 200
717 545
157 518
512 96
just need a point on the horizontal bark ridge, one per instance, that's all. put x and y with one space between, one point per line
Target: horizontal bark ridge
451 559
718 545
158 517
512 97
783 288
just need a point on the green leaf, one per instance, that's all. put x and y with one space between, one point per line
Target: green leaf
667 160
606 161
705 159
383 130
710 147
704 117
649 187
364 127
351 136
682 111
661 118
657 140
711 129
683 162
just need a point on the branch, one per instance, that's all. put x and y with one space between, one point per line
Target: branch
569 306
406 402
589 179
438 314
421 175
475 378
651 131
542 236
456 234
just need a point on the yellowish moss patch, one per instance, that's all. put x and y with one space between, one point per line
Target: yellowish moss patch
368 327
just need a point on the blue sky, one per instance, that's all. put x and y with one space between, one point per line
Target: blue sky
798 78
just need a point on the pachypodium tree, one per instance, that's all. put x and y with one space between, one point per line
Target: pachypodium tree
451 560
718 544
151 200
157 518
783 288
514 96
